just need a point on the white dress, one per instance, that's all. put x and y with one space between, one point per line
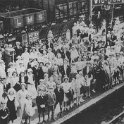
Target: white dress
1 91
30 111
2 71
66 87
25 56
31 87
21 98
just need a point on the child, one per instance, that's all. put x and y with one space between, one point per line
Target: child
4 113
11 104
51 101
21 95
59 96
41 101
66 87
29 110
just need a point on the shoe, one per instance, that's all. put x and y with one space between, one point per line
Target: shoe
93 90
82 100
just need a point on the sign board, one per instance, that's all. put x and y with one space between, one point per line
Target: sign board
29 19
17 22
11 39
41 16
33 37
100 2
61 11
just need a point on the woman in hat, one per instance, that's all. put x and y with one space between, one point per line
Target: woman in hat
29 110
11 69
33 53
50 54
22 77
15 81
31 84
74 54
11 105
21 97
66 87
18 50
4 113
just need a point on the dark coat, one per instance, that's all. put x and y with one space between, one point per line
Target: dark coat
4 113
41 100
18 51
59 95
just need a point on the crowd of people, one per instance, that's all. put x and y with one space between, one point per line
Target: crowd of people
59 73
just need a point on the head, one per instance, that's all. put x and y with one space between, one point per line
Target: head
30 71
41 64
14 74
11 93
49 50
41 81
73 79
22 74
28 96
66 79
26 49
17 43
3 104
21 64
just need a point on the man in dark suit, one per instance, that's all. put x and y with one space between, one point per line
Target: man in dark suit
59 92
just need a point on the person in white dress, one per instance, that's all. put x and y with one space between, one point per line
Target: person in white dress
31 84
21 96
29 110
66 87
11 69
25 57
51 82
2 69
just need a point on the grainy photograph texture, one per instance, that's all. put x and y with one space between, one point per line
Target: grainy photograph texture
61 61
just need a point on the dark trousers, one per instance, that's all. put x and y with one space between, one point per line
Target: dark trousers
51 108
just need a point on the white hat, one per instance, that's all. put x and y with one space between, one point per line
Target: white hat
30 70
11 90
19 57
23 84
